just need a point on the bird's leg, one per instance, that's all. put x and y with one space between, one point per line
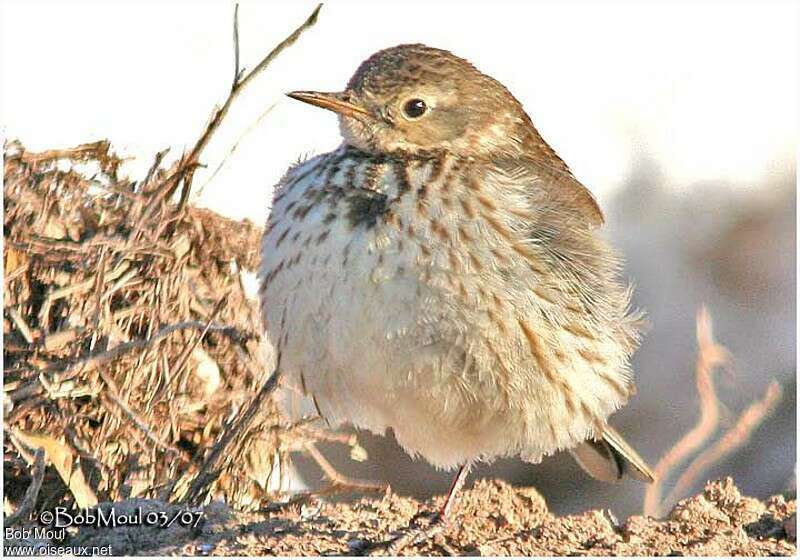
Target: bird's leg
439 522
339 481
455 488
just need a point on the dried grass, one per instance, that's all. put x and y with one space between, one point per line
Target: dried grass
130 341
132 355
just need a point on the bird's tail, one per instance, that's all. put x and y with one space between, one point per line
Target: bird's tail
609 458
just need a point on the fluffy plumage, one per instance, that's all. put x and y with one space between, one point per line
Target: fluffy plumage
442 275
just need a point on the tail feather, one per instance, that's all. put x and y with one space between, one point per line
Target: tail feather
609 458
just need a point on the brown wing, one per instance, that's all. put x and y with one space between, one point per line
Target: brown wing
561 186
572 192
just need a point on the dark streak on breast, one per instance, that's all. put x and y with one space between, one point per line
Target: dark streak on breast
372 172
364 207
401 171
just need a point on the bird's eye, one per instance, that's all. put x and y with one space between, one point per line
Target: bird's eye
414 108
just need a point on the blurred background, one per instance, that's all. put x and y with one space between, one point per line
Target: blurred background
681 117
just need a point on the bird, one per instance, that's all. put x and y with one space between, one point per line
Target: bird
441 274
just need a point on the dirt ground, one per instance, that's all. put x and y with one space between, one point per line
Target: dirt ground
493 518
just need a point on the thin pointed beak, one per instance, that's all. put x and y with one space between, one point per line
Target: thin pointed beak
336 102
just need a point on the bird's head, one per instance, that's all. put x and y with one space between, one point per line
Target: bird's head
414 98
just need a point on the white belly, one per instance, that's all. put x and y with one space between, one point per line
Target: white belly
389 328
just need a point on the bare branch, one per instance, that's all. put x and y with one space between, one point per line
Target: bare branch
96 360
236 70
710 356
188 169
22 325
283 45
236 146
78 153
220 456
733 439
184 356
153 168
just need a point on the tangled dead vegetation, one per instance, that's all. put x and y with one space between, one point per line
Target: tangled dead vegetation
132 356
129 339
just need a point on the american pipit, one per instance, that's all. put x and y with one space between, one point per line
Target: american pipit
440 274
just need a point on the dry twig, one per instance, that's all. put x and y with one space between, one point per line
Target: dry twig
220 456
236 88
96 360
710 356
732 440
28 503
235 147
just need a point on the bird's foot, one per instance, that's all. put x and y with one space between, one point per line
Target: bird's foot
343 483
